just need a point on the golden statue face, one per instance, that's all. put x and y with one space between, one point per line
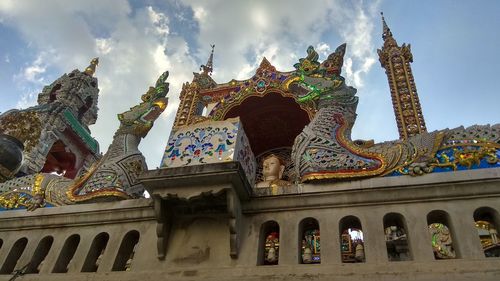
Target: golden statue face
271 167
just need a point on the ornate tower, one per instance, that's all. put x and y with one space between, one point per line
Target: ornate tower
191 105
55 133
396 61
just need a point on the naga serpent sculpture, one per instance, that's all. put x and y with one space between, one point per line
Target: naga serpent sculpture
113 177
324 149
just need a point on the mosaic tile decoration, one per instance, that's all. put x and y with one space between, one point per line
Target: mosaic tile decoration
210 142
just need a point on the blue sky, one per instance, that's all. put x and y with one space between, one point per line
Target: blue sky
455 47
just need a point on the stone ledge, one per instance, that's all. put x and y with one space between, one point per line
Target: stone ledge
194 178
376 191
82 214
485 270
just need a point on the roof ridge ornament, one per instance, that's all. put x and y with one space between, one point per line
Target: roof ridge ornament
333 64
90 70
265 64
208 67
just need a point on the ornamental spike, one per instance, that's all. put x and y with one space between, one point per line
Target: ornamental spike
208 67
386 30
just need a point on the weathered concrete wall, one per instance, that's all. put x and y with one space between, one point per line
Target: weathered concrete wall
198 247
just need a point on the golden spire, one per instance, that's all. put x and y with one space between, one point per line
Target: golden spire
191 103
396 61
386 30
208 68
90 70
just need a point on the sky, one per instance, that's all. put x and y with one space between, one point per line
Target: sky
455 47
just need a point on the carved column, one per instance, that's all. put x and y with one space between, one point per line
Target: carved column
164 222
234 211
189 97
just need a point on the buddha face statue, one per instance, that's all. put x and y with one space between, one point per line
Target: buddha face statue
272 167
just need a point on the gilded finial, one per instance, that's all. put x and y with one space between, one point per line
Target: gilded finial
90 70
386 30
208 67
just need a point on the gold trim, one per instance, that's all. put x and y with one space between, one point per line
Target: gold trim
37 185
396 96
104 192
414 97
288 81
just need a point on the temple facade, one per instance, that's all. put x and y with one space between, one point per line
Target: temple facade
260 180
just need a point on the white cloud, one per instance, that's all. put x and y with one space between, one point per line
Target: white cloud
6 5
103 45
33 72
6 58
244 31
259 17
159 20
323 49
27 100
32 77
356 27
199 13
347 69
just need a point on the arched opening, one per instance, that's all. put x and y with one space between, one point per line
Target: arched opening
396 237
441 232
269 243
352 246
487 220
270 121
60 160
53 92
96 252
309 241
85 107
15 253
41 251
67 252
126 252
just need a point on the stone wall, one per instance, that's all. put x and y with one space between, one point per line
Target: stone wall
198 247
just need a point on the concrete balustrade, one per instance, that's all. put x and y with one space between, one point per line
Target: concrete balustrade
206 250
